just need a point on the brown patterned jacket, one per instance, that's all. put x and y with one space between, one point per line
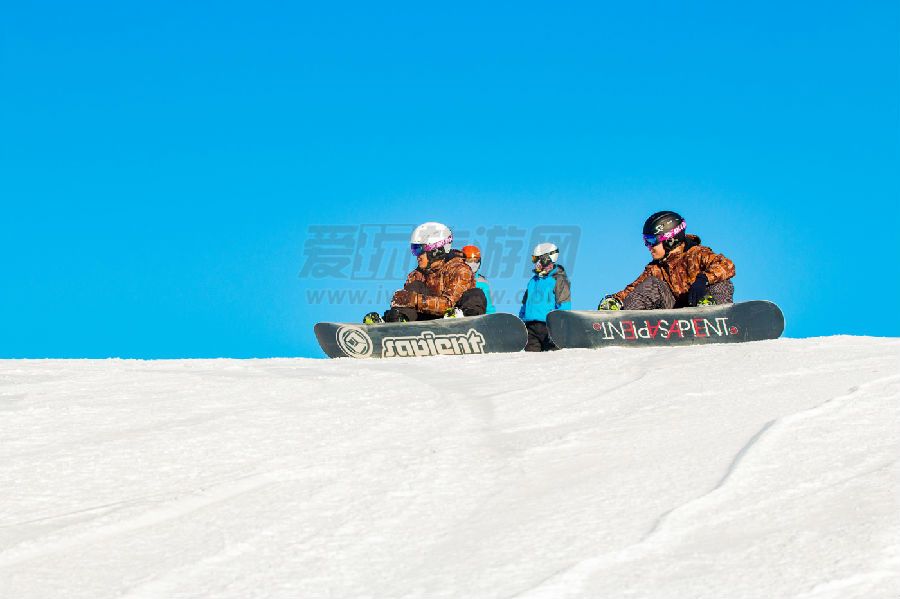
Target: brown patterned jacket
445 280
680 267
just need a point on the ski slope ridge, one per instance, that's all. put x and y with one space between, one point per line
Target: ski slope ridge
757 470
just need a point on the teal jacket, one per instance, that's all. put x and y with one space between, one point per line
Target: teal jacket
545 294
482 283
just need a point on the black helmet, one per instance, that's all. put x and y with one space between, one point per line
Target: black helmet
666 227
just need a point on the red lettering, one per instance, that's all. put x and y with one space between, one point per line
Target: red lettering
653 330
698 323
674 328
628 330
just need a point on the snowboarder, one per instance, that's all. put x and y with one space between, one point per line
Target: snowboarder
547 290
681 273
472 256
442 284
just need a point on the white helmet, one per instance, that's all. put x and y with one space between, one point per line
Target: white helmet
545 249
432 236
428 237
543 255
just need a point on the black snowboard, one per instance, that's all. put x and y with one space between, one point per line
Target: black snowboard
729 323
486 334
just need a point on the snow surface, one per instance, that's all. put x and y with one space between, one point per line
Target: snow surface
757 470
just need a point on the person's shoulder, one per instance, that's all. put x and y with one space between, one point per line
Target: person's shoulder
693 243
480 278
653 268
560 272
699 250
456 264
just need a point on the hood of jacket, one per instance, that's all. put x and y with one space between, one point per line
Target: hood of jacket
439 265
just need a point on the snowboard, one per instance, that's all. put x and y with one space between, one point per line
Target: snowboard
486 334
728 323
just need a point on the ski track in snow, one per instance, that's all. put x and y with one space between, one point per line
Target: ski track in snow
570 474
166 511
573 580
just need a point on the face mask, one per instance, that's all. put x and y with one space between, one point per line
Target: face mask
474 266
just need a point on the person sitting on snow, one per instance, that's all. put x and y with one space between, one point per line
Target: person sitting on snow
442 284
681 273
472 256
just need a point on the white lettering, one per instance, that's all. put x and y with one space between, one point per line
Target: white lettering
644 331
429 344
723 322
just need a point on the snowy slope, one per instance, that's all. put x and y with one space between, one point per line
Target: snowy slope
756 470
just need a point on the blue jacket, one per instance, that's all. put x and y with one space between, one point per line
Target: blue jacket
545 294
482 283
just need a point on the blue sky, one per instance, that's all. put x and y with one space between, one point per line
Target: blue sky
162 164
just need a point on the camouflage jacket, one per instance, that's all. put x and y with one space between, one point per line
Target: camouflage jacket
680 267
445 280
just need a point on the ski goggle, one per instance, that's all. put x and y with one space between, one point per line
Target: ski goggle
544 258
543 262
651 240
418 249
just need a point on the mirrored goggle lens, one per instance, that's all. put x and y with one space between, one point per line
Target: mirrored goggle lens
544 259
650 240
417 249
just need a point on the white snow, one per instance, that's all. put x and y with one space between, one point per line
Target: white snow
757 470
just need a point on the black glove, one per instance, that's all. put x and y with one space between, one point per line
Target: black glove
698 289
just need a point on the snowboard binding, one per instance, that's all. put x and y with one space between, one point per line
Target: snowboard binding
373 318
707 300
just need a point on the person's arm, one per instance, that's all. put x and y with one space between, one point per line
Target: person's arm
522 308
483 283
563 292
716 267
404 298
459 280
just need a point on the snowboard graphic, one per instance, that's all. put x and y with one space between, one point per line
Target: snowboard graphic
486 334
730 323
